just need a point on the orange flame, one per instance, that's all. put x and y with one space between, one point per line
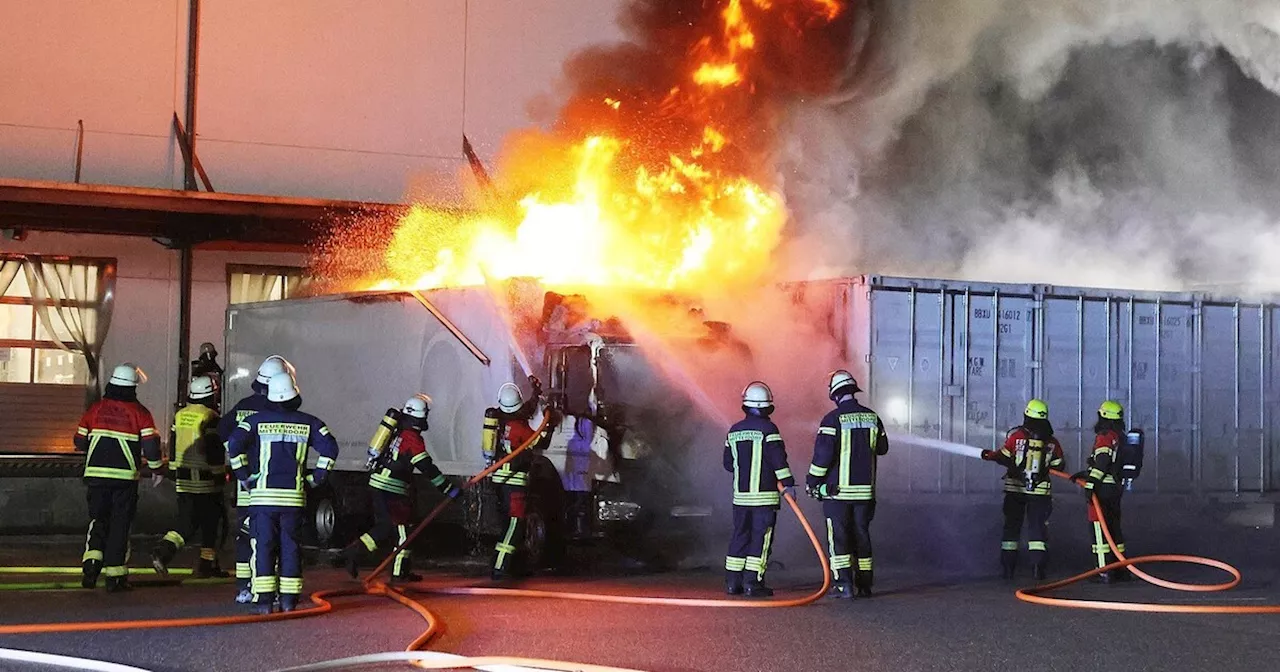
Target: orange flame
634 198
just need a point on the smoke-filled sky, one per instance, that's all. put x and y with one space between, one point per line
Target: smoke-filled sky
1093 142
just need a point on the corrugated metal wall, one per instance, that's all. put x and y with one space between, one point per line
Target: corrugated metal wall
957 361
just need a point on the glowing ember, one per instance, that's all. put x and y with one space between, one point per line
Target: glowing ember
661 186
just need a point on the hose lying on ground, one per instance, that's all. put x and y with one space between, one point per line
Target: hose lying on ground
1037 594
372 587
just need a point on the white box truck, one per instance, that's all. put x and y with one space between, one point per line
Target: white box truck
357 354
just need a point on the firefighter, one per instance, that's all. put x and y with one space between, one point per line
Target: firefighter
268 453
1029 452
117 433
850 440
198 460
207 365
505 429
257 401
755 455
391 467
1100 481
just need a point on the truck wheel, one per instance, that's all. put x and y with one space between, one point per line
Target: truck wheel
325 520
545 534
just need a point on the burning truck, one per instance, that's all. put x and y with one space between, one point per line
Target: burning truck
611 470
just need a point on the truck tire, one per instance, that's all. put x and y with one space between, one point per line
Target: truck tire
546 527
335 514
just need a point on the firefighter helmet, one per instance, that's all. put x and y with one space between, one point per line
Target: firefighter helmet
282 387
839 381
509 398
757 395
207 348
1111 410
127 375
1037 409
200 387
273 365
417 406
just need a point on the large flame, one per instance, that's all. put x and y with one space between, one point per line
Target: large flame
659 186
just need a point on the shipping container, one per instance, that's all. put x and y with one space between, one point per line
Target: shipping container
957 361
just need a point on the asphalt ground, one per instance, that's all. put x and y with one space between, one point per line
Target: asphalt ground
918 620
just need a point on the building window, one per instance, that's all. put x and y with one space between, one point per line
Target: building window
251 284
29 352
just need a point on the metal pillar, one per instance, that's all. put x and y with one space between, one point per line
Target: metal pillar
185 258
193 52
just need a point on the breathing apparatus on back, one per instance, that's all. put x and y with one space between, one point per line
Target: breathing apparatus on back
413 415
1127 464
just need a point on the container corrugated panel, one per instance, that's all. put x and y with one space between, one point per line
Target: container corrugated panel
957 361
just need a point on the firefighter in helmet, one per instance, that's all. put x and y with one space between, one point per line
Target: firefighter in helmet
850 441
1029 452
506 428
1100 480
755 455
396 451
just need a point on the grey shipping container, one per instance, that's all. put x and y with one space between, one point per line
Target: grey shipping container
957 361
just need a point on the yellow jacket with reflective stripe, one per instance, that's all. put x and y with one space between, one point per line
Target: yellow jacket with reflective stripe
196 454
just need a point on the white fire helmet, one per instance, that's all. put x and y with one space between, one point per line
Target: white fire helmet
417 406
757 395
509 398
273 365
839 380
282 387
127 375
200 387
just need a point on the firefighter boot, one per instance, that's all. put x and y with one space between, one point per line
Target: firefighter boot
207 569
1008 564
118 584
862 581
351 559
288 602
1037 571
161 554
841 587
754 587
262 604
92 568
406 577
732 582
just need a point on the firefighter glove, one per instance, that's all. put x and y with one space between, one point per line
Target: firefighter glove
989 455
453 492
790 491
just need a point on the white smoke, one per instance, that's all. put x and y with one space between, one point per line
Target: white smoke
1088 142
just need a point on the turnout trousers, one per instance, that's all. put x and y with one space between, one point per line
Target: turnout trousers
274 551
748 554
1109 499
244 567
849 540
511 505
1034 510
197 513
112 505
392 517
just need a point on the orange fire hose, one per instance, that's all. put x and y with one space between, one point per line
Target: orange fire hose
1036 594
434 627
664 601
537 434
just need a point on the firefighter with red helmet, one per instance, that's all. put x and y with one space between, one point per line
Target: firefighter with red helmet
1029 452
1101 480
755 455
